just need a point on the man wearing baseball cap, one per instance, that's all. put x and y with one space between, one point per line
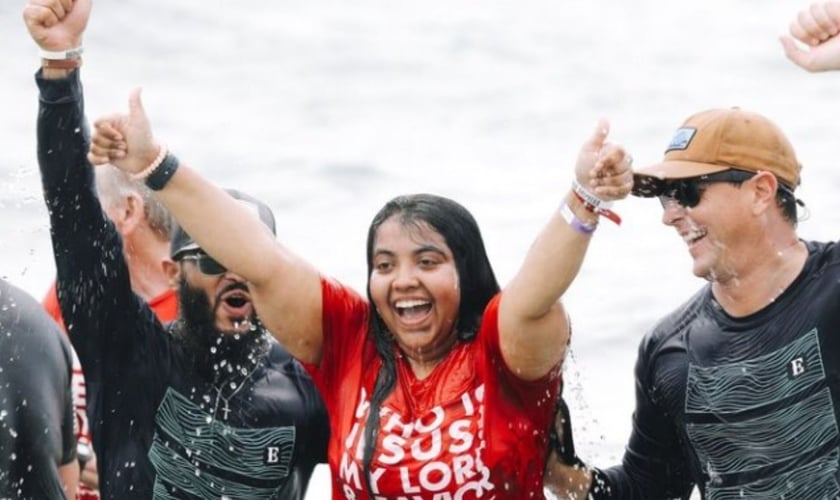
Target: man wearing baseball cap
738 389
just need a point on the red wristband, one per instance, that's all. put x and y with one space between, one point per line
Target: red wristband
593 203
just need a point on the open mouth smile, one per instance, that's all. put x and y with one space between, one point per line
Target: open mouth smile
409 309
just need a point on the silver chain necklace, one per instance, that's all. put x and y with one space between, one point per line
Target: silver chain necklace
236 388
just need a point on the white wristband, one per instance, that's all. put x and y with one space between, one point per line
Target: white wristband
61 54
593 202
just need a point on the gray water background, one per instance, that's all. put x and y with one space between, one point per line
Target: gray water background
326 109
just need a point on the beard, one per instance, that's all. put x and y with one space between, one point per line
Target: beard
217 354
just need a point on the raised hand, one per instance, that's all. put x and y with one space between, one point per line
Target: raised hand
817 28
124 140
57 24
604 168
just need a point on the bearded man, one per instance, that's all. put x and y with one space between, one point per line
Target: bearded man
208 406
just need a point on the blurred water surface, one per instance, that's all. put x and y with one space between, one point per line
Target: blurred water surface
326 109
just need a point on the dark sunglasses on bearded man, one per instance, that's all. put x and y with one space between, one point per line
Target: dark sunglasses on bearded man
206 264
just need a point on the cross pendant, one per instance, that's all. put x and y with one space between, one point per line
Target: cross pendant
226 411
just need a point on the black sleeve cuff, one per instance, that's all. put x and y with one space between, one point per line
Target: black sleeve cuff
59 90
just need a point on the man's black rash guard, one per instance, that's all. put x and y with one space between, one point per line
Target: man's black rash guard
742 407
161 428
36 403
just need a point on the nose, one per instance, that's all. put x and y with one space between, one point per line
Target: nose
671 211
405 278
232 276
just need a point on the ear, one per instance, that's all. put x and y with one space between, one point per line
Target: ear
133 213
172 271
765 185
117 212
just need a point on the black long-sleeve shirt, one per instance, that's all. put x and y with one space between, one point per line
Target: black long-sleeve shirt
741 407
161 428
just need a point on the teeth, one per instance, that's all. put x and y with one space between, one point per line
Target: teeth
405 304
693 235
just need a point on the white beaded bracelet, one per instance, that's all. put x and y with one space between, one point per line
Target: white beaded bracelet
141 175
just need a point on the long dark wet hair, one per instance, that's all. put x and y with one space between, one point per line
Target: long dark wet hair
475 277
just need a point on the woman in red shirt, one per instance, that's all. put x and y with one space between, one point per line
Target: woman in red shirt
437 384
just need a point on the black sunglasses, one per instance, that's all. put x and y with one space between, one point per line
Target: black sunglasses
687 192
206 264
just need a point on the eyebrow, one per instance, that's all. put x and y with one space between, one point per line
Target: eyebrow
429 248
417 251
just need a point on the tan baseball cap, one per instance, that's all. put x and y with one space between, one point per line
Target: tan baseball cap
721 139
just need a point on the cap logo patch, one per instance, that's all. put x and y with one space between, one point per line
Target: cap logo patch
682 138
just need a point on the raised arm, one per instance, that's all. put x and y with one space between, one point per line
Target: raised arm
285 288
92 278
533 326
817 28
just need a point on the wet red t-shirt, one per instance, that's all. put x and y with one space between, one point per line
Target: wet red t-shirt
471 429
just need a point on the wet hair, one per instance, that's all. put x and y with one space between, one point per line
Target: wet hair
476 279
113 185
